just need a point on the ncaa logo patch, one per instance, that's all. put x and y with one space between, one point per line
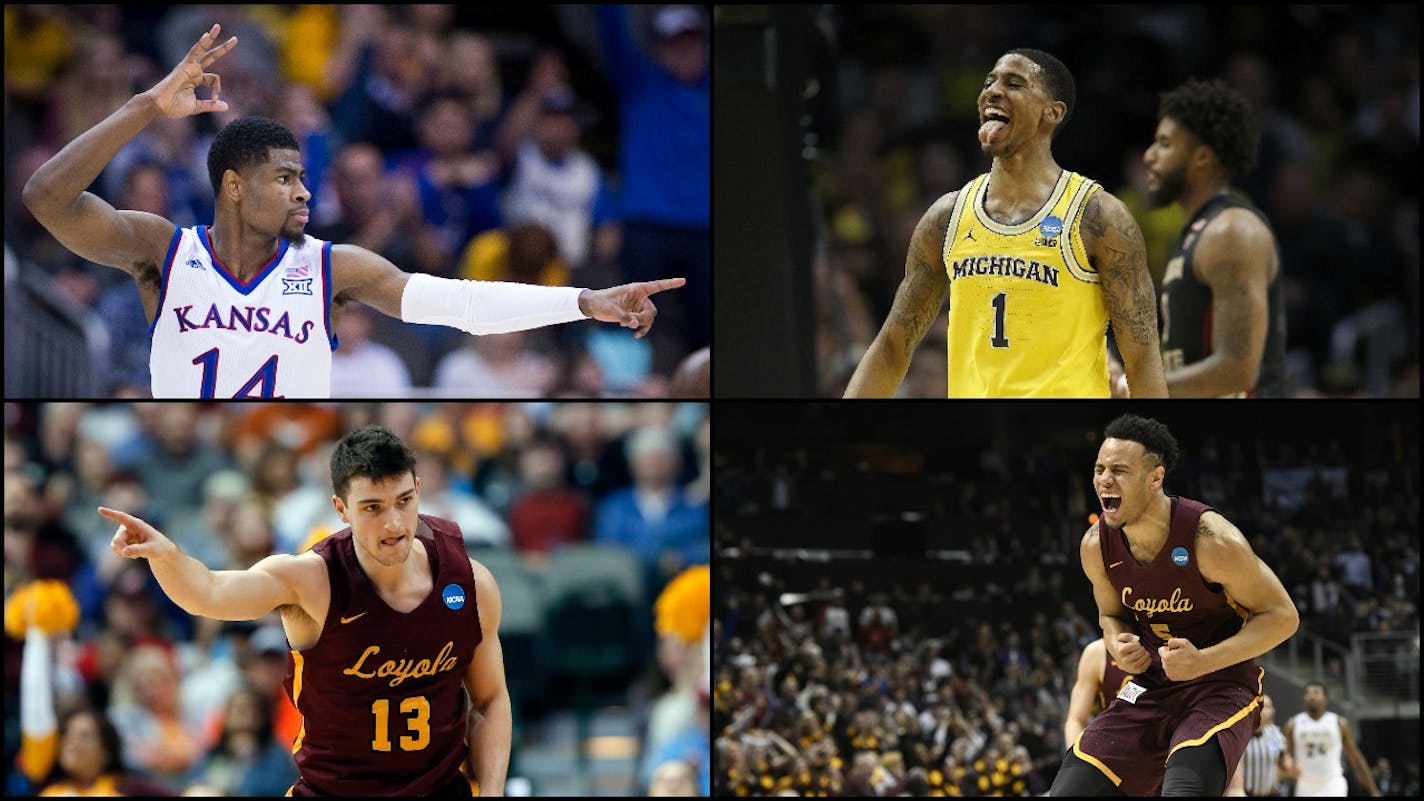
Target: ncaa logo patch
1051 226
453 595
1179 556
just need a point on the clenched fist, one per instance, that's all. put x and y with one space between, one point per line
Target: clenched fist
1182 661
136 539
1129 653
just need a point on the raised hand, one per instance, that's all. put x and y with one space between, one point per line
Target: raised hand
175 95
628 304
136 539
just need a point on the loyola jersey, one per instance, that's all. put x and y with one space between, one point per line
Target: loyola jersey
216 337
383 712
1185 306
1026 313
1170 598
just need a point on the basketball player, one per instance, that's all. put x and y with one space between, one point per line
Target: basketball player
1223 318
1185 607
1035 259
242 308
386 619
1315 739
1096 674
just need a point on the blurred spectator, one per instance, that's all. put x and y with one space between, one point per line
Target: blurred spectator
91 761
378 100
479 524
361 368
665 165
371 209
654 517
146 712
246 760
552 181
175 471
457 187
496 366
524 252
548 514
673 778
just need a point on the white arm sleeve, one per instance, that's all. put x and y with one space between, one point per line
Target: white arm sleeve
36 698
487 307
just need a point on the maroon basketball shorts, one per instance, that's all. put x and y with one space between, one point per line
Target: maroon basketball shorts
1132 739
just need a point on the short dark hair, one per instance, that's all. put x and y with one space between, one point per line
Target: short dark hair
242 143
1220 117
1323 689
1151 434
108 740
1057 80
371 451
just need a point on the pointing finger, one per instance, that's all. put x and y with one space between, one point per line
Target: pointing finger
661 285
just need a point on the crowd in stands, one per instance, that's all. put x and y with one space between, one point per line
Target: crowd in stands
894 119
159 700
548 145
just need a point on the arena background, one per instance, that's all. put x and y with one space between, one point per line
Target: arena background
543 492
371 92
837 126
963 521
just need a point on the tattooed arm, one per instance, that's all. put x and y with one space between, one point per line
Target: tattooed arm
917 304
1225 557
1116 250
1236 257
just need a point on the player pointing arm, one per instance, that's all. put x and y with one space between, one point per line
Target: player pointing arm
256 329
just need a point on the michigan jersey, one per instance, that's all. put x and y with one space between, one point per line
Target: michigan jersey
1027 316
215 336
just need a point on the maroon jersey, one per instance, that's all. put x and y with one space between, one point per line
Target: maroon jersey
1114 678
382 704
1168 596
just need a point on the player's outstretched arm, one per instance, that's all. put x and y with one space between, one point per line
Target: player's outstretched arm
1226 558
1117 251
492 716
218 594
86 223
917 304
486 307
1236 257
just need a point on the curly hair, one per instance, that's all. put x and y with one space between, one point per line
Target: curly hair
242 143
1220 117
1057 80
1151 434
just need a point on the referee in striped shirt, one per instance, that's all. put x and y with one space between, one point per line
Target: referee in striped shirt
1265 761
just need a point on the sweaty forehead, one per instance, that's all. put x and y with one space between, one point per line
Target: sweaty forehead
1018 64
1120 450
284 159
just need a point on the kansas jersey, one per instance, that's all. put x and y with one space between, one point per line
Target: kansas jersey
381 694
217 337
1026 313
1185 307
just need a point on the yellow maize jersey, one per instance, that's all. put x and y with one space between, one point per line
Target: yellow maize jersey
1027 316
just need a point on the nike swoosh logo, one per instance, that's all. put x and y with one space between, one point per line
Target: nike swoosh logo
1110 567
353 617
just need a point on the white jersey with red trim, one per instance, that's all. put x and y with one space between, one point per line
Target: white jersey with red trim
217 337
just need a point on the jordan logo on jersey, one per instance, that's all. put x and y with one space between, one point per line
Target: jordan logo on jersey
297 280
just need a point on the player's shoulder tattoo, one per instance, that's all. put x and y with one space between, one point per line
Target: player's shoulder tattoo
1203 530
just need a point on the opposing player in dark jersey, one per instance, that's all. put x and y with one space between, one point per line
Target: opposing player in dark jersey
1222 315
1185 607
386 619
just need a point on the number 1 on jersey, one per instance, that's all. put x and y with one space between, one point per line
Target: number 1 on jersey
1000 302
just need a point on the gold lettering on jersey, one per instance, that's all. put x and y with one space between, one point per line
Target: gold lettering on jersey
402 669
1151 606
1010 266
